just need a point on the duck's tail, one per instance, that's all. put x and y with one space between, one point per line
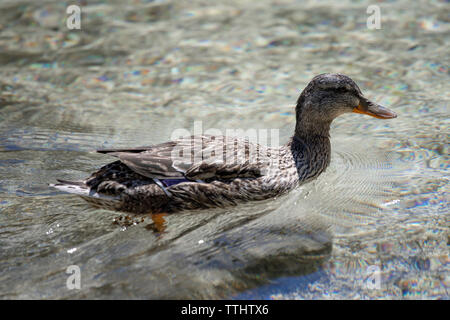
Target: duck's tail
77 187
94 198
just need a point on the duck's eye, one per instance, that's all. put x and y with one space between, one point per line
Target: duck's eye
336 90
341 90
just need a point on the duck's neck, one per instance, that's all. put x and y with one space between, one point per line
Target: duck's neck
307 126
311 153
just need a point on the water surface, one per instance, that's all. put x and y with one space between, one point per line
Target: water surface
138 70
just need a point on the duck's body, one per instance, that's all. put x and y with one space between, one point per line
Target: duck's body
201 172
174 183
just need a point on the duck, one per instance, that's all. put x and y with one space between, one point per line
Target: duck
205 171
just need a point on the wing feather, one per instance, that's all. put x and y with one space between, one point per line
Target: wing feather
194 158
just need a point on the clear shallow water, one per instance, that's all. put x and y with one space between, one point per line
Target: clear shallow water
139 70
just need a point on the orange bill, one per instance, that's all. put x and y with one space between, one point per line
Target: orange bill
375 110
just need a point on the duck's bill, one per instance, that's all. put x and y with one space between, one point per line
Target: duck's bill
375 110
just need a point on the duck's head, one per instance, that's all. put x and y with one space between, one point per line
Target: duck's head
328 96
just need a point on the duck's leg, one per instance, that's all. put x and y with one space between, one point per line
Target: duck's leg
159 224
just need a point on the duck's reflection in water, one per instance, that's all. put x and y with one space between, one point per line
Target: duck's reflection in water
219 253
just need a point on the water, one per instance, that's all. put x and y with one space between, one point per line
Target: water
138 70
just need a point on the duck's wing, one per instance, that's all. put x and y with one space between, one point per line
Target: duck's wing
152 161
196 158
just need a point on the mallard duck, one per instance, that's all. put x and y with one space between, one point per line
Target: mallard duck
200 172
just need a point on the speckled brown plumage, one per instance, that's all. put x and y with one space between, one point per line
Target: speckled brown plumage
200 172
